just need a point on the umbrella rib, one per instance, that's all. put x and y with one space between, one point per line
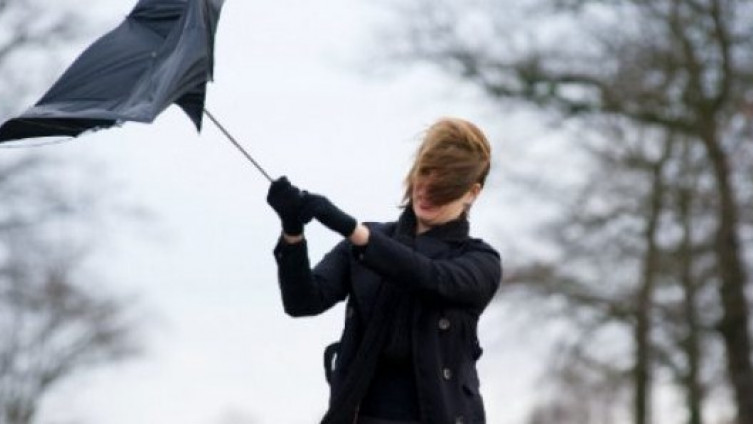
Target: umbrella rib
238 146
48 125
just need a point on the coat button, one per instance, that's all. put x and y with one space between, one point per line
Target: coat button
349 312
459 420
447 373
444 324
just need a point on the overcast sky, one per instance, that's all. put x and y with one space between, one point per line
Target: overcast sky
289 84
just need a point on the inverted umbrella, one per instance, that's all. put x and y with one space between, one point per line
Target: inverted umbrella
161 54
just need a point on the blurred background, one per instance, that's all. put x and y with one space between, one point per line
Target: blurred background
137 283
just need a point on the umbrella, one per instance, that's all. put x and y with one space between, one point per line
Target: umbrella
161 54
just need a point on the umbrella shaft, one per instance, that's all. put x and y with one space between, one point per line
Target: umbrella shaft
238 146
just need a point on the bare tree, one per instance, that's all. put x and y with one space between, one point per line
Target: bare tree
53 326
56 319
626 253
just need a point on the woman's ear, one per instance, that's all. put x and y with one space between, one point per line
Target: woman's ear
475 191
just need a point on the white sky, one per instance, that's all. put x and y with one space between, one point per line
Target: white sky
220 349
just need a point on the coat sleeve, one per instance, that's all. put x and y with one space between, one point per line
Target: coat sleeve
307 291
471 278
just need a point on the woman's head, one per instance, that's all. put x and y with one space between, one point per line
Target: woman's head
449 170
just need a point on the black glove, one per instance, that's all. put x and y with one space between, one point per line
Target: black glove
319 207
287 200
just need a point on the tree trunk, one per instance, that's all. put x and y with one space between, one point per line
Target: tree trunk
642 373
642 370
733 325
690 345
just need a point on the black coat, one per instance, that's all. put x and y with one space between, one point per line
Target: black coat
453 278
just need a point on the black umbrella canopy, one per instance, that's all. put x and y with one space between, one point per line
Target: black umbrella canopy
161 54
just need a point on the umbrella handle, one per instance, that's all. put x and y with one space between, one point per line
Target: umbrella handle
238 146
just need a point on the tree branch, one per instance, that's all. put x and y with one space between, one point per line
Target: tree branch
723 38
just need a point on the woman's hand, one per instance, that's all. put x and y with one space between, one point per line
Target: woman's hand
321 208
287 201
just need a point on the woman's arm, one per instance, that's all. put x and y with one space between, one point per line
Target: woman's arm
307 292
471 278
292 239
360 236
304 291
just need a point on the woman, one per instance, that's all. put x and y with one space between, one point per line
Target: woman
414 288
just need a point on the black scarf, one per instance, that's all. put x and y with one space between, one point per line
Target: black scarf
398 344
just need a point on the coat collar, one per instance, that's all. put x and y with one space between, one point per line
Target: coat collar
455 230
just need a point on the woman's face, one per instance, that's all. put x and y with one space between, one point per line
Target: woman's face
430 215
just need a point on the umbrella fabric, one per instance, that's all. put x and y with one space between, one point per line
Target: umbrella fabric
162 53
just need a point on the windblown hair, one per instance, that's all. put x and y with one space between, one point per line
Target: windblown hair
453 155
